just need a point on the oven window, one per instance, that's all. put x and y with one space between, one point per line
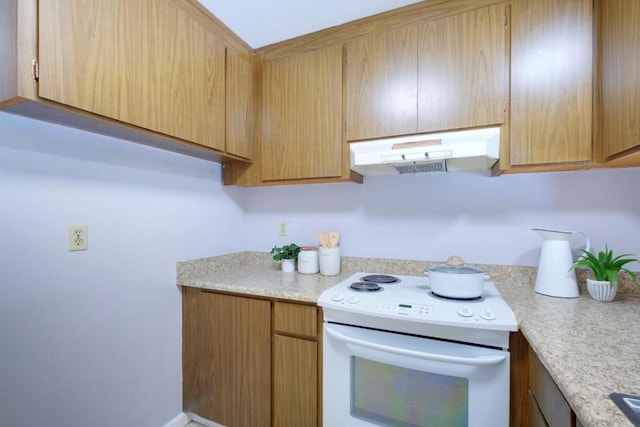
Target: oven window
396 396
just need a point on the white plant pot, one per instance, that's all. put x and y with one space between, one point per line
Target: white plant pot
288 265
601 290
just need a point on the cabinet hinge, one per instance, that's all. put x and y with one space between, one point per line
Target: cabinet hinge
505 106
35 70
506 21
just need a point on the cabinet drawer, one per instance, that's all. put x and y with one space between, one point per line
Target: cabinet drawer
296 319
547 395
536 418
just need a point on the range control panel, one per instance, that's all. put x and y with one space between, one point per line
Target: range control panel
409 310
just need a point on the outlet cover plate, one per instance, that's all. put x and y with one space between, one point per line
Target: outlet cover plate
78 237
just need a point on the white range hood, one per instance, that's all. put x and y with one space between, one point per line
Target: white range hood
468 150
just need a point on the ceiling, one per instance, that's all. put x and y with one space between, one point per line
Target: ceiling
260 23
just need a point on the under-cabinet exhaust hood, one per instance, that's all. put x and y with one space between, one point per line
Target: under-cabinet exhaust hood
467 150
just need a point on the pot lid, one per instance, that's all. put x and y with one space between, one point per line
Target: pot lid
455 265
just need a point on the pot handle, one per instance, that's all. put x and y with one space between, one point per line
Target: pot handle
486 276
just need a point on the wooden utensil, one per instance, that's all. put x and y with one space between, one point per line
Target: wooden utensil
334 239
323 240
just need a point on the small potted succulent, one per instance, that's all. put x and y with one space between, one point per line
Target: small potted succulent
605 268
287 254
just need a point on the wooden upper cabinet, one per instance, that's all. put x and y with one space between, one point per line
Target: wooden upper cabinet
462 70
381 84
551 82
148 63
442 74
92 57
620 77
239 124
301 132
187 72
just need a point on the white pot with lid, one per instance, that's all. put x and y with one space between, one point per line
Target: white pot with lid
455 279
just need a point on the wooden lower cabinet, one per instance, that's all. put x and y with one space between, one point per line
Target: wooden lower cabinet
227 358
250 361
548 404
536 400
295 382
296 377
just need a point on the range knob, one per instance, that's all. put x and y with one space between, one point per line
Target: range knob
487 314
337 297
353 299
465 312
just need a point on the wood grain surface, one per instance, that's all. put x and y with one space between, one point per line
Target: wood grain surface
301 116
620 76
381 87
227 358
462 63
240 120
551 81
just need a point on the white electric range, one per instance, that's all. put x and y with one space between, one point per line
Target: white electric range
395 354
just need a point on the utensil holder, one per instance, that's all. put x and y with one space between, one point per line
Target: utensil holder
329 260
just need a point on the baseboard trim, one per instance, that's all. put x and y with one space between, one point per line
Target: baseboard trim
203 421
181 420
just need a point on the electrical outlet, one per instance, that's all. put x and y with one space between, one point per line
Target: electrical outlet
78 237
282 230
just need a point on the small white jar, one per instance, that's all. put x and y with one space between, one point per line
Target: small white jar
308 260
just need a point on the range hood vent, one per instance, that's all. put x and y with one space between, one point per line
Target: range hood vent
421 167
468 150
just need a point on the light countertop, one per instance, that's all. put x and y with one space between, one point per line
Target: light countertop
590 348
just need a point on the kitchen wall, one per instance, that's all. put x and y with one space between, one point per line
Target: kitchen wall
94 338
430 216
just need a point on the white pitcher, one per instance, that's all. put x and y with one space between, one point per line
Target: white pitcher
555 276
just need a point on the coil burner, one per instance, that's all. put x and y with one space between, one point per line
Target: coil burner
365 287
381 279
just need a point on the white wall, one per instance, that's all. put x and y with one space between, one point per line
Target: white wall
430 216
93 338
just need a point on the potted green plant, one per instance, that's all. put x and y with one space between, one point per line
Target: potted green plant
605 267
287 254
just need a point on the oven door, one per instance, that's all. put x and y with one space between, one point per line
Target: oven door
373 378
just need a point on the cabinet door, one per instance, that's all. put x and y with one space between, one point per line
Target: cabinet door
551 81
239 123
381 84
149 63
547 401
227 358
462 70
187 76
302 116
295 382
92 57
620 109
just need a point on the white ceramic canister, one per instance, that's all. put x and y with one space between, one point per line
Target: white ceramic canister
329 260
308 260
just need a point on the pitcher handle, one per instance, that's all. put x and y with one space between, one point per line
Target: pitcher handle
587 243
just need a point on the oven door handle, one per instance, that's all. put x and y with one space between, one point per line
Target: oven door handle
469 361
